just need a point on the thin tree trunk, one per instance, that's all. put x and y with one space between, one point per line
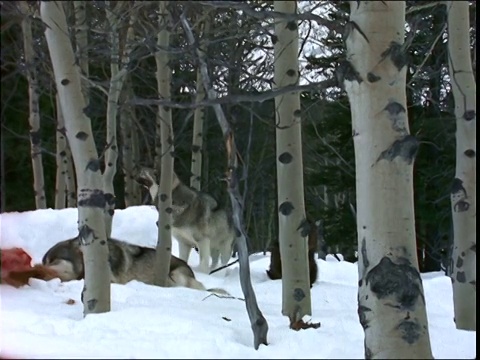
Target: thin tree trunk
61 159
34 118
391 301
117 78
257 320
198 119
129 147
463 194
81 40
71 184
164 122
293 227
91 199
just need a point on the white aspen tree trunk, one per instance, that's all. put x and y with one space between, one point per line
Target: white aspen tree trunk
61 159
391 302
117 78
164 121
198 119
464 189
91 199
81 40
293 231
33 98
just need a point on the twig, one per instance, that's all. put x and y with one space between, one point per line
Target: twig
223 267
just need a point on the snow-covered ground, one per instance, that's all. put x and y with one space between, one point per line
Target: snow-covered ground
42 321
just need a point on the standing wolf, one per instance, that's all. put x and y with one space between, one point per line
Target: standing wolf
127 262
198 221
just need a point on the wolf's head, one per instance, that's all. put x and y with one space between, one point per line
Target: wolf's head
148 178
66 259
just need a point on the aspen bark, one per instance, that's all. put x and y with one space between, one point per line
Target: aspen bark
293 227
117 78
33 98
91 199
164 123
198 119
391 301
464 189
129 149
61 160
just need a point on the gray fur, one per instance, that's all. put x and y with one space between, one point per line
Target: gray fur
127 262
198 221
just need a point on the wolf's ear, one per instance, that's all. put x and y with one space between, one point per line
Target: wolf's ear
146 177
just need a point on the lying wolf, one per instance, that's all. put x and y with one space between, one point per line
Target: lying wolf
198 221
127 262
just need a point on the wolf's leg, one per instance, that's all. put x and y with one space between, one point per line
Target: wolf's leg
226 251
215 253
204 250
184 250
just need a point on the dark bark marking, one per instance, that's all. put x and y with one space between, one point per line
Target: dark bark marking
399 280
457 186
81 135
285 158
111 212
89 111
91 198
298 294
461 278
103 242
274 39
91 304
473 248
83 291
409 331
397 55
167 227
292 25
346 72
469 153
169 210
363 250
459 263
35 137
286 208
62 131
93 165
459 195
474 283
470 115
163 197
360 282
195 148
371 77
62 153
109 199
349 27
406 148
65 82
297 113
363 317
291 72
397 115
